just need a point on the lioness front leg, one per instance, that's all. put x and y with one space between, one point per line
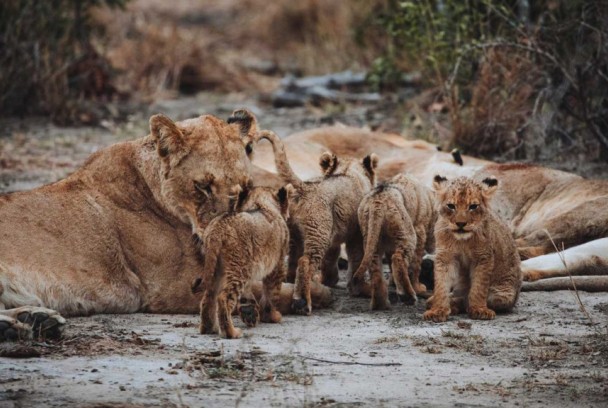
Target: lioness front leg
478 294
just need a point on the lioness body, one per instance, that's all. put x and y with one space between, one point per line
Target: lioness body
397 219
240 247
477 267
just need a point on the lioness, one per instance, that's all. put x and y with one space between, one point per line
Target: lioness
324 214
476 254
396 218
534 201
116 235
246 244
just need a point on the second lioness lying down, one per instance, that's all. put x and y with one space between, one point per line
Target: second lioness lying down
396 219
476 257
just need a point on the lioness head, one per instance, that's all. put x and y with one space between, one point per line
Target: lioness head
463 203
201 161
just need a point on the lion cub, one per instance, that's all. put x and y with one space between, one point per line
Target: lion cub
396 218
248 244
324 214
476 256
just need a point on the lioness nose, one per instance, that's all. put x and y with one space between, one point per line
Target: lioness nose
461 224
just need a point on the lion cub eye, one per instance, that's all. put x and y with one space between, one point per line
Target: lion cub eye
202 187
473 207
451 207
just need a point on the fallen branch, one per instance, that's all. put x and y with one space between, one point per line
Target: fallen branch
349 362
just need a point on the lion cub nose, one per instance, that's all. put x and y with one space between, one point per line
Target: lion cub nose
461 224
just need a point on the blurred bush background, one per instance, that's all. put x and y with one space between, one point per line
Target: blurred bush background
512 79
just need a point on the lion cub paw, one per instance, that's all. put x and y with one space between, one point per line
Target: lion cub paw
271 316
436 315
482 313
299 306
233 333
250 314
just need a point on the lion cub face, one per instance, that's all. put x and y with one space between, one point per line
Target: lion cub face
202 161
462 204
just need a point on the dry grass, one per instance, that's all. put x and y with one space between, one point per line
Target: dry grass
502 101
160 47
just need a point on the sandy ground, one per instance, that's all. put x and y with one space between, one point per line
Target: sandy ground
550 352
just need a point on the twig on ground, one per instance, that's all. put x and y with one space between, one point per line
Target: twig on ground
349 362
563 259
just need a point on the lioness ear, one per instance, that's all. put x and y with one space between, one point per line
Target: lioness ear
370 162
490 185
246 121
439 183
328 162
169 140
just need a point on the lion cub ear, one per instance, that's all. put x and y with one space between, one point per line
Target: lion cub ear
283 198
439 183
328 162
246 120
490 185
170 142
370 162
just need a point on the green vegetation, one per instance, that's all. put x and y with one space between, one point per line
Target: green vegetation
47 59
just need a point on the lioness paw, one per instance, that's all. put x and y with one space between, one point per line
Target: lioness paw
45 323
13 330
436 315
482 313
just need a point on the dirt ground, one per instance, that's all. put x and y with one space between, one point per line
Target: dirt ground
549 352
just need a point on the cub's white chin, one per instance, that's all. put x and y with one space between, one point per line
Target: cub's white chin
462 236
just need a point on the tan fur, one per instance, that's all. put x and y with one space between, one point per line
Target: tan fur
323 216
396 218
475 257
248 244
116 235
532 200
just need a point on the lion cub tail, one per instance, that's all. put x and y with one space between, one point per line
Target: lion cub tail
375 219
280 159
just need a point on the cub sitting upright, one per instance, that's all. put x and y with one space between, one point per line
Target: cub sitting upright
250 243
324 215
396 218
476 256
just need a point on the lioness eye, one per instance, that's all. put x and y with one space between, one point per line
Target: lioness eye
249 148
451 207
473 207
